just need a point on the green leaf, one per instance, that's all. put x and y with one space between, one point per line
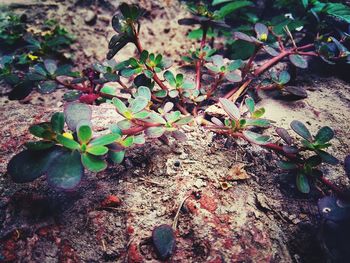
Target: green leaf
64 70
154 132
66 171
338 10
314 161
305 3
158 59
173 116
286 165
76 112
72 95
84 134
39 70
128 142
250 104
148 73
144 56
256 138
160 93
284 77
29 165
114 128
105 139
230 108
40 130
97 150
138 104
231 7
170 78
48 86
308 144
257 122
121 108
173 93
117 157
195 34
109 90
57 122
324 135
144 92
283 133
236 64
141 115
179 79
217 2
233 77
258 113
261 31
128 72
93 163
301 129
139 139
124 124
298 61
68 143
40 145
50 65
328 158
156 118
184 120
302 183
133 62
35 77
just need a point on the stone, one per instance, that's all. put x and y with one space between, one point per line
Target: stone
163 238
90 17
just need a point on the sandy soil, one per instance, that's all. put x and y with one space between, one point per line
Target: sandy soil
257 219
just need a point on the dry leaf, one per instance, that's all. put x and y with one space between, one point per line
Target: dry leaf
237 172
225 185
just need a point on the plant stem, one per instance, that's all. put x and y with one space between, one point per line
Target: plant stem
271 62
332 186
134 130
247 68
215 85
199 62
182 109
155 76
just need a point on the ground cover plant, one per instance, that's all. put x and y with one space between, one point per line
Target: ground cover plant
155 99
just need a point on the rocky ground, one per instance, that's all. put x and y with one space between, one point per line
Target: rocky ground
235 207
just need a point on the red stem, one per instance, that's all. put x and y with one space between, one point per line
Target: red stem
182 109
215 85
155 76
271 62
134 130
332 186
199 62
250 62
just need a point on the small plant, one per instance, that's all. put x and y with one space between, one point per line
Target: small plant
62 154
159 100
26 50
238 123
305 158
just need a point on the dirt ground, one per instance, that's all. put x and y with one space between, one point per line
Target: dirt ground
259 217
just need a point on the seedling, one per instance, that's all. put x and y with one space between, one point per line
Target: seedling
62 154
278 82
238 123
301 164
